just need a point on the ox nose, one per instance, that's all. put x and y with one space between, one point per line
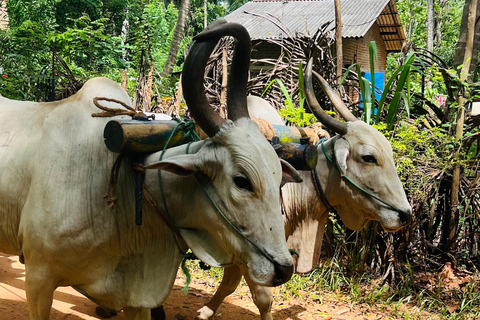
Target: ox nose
282 274
405 216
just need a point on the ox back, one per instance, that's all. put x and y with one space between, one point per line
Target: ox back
52 156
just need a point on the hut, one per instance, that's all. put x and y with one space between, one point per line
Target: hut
362 22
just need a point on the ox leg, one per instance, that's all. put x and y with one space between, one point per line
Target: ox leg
40 284
137 314
262 297
231 278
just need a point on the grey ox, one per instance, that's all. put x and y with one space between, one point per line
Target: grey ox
358 152
55 169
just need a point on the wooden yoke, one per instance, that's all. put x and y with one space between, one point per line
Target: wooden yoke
139 137
136 136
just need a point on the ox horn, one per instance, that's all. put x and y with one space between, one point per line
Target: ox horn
194 69
238 78
334 125
194 90
237 81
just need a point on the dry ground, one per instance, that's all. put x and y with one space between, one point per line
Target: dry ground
181 305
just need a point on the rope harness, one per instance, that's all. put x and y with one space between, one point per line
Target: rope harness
140 190
322 195
318 185
320 192
112 112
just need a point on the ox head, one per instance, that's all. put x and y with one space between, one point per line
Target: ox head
238 169
364 155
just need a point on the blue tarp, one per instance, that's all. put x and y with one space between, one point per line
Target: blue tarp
379 84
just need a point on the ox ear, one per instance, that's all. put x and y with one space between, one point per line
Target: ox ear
342 151
183 165
289 173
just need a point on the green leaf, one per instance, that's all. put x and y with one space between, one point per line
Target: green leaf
372 49
345 75
392 110
404 71
284 90
301 93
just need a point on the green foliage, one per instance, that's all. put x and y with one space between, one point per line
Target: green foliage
26 51
158 24
88 46
215 10
86 34
402 83
23 53
413 14
417 150
400 78
292 114
331 277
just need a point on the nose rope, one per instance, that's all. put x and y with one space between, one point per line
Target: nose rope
357 186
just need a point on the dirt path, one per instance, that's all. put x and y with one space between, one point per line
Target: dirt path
70 305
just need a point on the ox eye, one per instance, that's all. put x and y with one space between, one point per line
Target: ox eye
369 159
243 183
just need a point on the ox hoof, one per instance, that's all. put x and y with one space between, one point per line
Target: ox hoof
158 313
104 313
204 313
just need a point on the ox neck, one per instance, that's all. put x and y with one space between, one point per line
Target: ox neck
325 171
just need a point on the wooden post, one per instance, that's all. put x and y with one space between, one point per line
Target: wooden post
338 46
338 39
124 79
223 93
178 100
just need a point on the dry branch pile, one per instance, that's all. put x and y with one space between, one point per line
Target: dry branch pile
296 51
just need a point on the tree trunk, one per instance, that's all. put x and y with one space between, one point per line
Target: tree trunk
410 25
462 39
149 90
205 13
438 22
177 38
338 38
124 35
454 214
430 25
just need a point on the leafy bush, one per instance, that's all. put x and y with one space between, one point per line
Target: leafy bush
419 152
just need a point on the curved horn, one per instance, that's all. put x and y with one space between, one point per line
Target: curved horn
322 116
194 90
238 78
194 69
237 81
335 98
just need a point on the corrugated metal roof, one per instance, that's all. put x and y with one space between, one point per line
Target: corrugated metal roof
263 18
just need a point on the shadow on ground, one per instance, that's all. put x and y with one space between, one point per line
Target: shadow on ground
71 305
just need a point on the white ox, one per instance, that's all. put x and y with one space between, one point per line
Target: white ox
361 153
54 171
